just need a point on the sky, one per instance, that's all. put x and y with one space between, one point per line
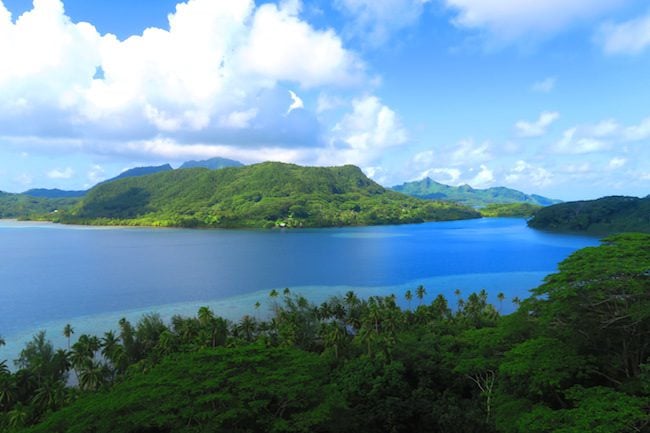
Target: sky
549 97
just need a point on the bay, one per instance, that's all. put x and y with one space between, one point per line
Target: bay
90 277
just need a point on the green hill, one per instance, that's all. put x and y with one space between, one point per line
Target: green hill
430 189
606 215
26 206
261 195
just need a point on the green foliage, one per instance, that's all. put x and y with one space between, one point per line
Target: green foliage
606 215
242 389
573 358
465 194
509 210
24 206
262 195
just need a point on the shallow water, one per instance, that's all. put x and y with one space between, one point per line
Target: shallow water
90 277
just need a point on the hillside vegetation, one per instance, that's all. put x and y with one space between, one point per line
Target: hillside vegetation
22 206
509 210
262 195
606 215
429 189
573 358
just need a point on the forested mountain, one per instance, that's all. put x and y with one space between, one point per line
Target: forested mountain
260 195
605 215
140 171
430 189
26 206
54 193
212 163
573 358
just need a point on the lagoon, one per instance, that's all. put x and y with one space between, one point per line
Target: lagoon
90 277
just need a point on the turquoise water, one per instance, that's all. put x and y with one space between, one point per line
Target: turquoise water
90 277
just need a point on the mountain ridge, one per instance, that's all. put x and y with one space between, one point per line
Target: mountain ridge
428 188
261 195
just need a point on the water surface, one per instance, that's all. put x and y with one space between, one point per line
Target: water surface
51 274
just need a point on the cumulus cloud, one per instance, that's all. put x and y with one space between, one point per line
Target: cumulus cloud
57 173
573 143
484 177
629 37
544 86
374 21
206 79
371 125
538 127
524 173
506 20
638 132
468 152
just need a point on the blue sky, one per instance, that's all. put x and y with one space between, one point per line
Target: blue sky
547 97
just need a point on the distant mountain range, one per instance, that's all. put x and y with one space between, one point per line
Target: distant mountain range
607 215
54 193
140 171
430 189
261 195
212 164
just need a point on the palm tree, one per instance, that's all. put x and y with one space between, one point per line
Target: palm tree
273 293
286 291
516 301
257 307
501 297
67 332
247 327
408 295
420 292
93 376
2 342
205 315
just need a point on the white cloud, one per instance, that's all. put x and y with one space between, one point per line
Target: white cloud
467 152
508 20
573 143
524 173
216 69
374 21
96 174
238 119
537 128
638 132
630 37
57 173
616 163
482 179
327 102
296 102
448 176
370 126
282 47
544 86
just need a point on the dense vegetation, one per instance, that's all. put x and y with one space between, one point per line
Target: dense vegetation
23 206
429 189
573 358
509 210
606 215
262 195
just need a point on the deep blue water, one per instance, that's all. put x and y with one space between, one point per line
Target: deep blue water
51 274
